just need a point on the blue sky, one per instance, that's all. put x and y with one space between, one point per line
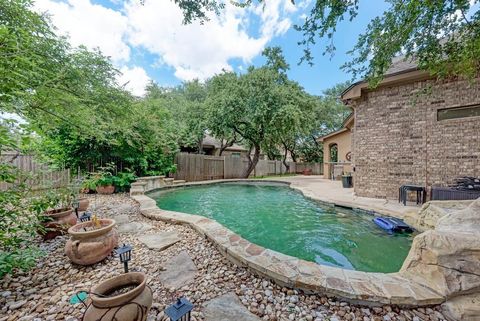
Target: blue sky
149 42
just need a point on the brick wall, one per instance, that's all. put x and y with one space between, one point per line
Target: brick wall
398 140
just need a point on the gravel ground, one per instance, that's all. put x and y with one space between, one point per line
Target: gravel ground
44 292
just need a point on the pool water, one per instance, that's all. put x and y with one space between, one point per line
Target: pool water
282 219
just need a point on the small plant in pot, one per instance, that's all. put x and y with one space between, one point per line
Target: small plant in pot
60 216
105 183
80 202
89 184
124 297
91 242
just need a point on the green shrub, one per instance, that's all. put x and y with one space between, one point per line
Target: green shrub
123 180
21 212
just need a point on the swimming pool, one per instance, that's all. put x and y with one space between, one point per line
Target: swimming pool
282 219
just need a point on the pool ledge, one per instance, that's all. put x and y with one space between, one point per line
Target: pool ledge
353 286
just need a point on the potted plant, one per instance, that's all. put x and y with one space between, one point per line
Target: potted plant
105 183
124 297
89 184
347 180
60 216
91 242
81 201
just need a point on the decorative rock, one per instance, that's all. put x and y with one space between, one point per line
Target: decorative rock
465 308
159 241
16 305
445 258
227 307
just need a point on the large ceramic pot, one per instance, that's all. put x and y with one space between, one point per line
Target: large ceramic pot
83 204
88 245
109 189
58 222
132 302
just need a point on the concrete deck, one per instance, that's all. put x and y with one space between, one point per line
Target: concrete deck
328 191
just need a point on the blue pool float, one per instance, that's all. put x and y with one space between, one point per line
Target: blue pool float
391 224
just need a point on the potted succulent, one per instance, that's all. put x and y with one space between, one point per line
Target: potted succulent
347 180
122 298
91 242
60 216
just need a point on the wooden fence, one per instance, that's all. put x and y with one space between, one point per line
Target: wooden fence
194 167
40 176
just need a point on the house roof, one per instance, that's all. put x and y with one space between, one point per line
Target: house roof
401 70
209 140
322 138
345 127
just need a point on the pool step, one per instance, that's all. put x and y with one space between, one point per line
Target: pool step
178 181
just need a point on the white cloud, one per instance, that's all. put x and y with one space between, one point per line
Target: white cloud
200 51
90 25
275 22
134 79
193 51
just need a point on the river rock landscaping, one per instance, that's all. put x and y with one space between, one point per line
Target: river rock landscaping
206 276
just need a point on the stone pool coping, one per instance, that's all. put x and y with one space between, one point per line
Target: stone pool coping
353 286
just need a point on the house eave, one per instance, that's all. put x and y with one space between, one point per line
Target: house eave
337 132
355 91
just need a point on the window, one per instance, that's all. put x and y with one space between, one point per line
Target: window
458 112
236 155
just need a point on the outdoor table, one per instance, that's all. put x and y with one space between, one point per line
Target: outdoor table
421 193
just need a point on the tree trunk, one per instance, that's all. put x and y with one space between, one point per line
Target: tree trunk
227 144
200 146
294 156
287 167
252 162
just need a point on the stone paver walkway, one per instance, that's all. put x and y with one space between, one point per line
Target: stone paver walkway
227 307
159 241
179 271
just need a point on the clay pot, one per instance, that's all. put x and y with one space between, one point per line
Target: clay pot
105 189
91 246
59 221
129 306
83 204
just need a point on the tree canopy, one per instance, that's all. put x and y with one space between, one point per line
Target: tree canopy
442 36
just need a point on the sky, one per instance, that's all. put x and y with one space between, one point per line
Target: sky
149 42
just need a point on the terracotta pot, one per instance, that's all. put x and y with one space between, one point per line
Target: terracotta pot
83 204
60 220
91 246
105 189
129 306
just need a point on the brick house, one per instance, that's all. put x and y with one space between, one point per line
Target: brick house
413 129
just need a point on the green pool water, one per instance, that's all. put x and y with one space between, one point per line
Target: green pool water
282 219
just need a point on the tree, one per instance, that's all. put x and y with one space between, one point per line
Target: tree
262 106
328 115
443 36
